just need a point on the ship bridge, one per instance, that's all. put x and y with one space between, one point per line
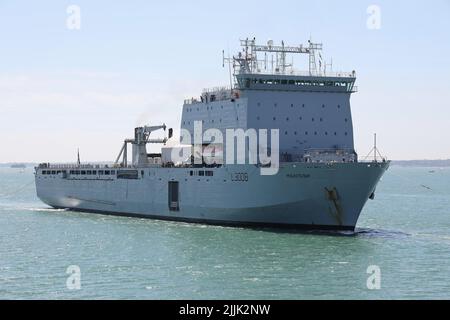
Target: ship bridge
311 109
291 82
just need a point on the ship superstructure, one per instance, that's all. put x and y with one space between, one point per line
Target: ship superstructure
319 181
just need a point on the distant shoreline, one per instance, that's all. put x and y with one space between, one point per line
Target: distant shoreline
402 163
422 163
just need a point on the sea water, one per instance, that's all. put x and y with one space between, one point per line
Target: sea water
400 250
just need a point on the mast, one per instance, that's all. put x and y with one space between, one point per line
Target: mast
248 62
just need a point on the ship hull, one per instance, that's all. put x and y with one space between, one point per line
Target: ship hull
300 196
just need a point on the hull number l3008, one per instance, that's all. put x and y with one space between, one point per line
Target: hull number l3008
239 176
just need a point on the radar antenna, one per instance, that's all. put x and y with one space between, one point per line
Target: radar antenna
248 61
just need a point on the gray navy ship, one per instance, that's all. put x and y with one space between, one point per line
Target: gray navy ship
313 177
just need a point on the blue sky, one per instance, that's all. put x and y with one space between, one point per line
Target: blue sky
134 62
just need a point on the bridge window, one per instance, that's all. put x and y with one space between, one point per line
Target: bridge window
83 172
